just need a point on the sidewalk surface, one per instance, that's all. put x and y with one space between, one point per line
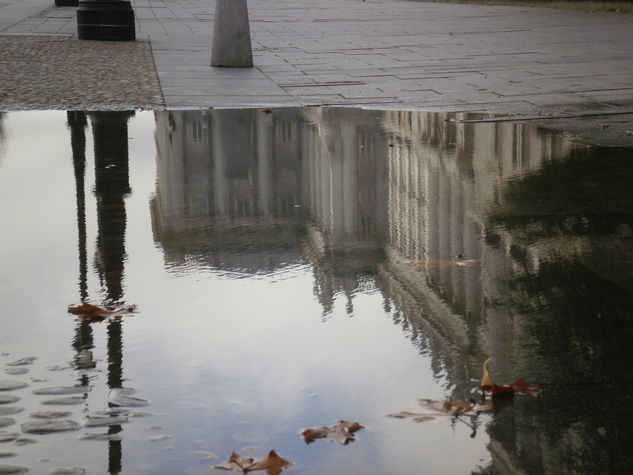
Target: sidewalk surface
384 53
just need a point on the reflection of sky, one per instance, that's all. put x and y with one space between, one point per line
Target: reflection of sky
226 363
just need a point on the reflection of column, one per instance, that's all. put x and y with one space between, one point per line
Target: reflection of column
83 340
111 186
264 161
77 124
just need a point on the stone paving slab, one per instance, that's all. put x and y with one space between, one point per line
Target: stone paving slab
382 53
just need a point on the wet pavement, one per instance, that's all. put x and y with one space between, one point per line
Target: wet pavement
389 53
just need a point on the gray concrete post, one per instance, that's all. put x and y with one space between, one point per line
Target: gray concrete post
231 35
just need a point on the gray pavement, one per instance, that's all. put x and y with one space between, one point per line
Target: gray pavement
376 53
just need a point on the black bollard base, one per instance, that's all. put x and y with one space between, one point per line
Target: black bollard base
105 20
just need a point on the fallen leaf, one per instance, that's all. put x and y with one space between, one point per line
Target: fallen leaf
272 463
94 312
516 386
268 111
236 462
343 432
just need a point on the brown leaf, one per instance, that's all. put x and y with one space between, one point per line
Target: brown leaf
517 386
267 111
236 462
343 432
272 463
89 311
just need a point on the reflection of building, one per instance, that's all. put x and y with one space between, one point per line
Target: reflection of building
443 179
228 183
425 208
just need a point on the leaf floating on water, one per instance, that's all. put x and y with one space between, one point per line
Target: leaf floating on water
272 463
343 432
8 385
46 427
516 386
89 311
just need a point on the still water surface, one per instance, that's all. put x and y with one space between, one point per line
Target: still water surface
294 268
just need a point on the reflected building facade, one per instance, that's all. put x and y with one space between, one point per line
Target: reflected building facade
437 211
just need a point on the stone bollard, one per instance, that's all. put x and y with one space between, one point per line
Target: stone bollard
231 35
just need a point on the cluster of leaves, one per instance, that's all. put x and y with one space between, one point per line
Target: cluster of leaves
456 407
88 311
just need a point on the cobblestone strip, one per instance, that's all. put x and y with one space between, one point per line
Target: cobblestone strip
56 72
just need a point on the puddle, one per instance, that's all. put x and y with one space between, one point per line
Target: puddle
255 273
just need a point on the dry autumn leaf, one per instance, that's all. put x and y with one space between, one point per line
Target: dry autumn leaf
94 312
272 463
516 386
343 432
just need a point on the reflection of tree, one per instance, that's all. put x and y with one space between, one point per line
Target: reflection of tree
570 222
581 195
